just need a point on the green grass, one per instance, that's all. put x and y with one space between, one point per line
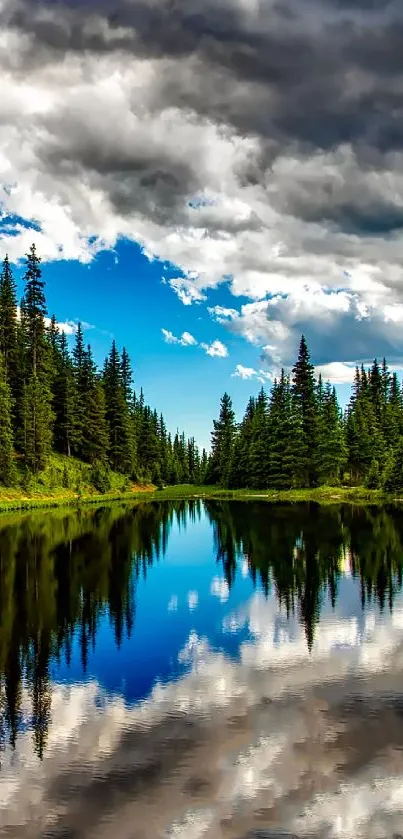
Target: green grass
47 490
323 494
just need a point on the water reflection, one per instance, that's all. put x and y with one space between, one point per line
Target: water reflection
285 708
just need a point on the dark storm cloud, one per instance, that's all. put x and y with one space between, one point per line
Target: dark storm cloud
324 74
134 174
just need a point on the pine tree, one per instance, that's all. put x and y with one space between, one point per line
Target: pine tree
240 462
7 469
8 324
35 312
331 453
96 438
222 442
286 445
65 401
117 414
259 446
394 479
203 466
127 375
35 395
304 393
39 423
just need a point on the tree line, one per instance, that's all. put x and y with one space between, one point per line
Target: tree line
56 400
298 436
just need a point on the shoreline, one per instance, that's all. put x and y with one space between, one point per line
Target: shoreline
320 495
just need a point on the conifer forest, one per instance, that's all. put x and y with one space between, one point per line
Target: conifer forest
55 400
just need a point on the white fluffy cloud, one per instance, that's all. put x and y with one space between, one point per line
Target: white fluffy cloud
185 340
216 349
336 372
242 372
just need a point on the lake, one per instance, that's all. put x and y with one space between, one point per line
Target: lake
224 670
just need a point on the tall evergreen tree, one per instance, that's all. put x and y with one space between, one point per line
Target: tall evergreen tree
117 415
222 443
35 312
304 393
40 419
127 375
65 401
259 448
7 470
8 324
96 439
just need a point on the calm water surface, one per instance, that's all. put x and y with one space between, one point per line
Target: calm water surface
214 670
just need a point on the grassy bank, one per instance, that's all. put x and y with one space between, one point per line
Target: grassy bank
322 495
67 482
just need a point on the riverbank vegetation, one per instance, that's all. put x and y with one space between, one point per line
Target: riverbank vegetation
299 438
69 430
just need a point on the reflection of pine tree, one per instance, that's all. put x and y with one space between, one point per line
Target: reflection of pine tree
62 573
41 692
298 550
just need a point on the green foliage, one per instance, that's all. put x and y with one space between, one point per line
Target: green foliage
39 423
100 477
7 471
373 479
59 402
56 402
394 477
66 477
222 444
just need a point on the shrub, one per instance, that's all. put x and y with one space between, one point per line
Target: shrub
100 477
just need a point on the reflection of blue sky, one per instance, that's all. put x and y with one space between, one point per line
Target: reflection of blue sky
185 593
211 665
183 576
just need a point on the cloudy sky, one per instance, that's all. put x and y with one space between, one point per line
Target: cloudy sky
207 180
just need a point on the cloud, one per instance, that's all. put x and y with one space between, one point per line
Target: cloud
248 373
245 372
193 600
216 349
173 604
69 327
186 339
186 291
258 146
219 588
337 372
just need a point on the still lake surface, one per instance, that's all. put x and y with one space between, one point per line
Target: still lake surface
202 669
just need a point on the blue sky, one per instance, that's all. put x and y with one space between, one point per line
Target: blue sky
172 184
121 295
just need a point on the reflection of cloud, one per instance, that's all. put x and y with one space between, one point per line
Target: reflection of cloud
173 603
225 740
245 568
193 599
219 588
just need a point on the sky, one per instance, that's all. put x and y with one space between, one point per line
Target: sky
205 181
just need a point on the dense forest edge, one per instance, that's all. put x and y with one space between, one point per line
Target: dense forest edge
73 433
